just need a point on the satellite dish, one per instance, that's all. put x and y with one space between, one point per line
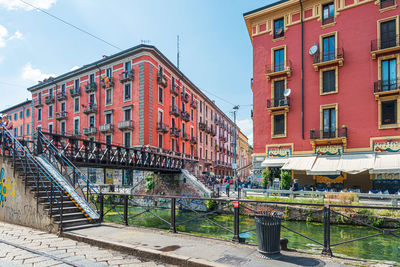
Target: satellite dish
287 92
313 49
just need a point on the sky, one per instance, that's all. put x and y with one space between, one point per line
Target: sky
215 48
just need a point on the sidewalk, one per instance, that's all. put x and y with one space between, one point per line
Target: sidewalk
188 250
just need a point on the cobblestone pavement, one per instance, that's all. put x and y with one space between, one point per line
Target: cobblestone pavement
22 246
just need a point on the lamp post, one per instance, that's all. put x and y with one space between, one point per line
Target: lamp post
236 237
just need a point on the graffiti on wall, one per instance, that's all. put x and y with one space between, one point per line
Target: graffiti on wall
7 189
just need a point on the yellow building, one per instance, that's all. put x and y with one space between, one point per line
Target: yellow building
244 158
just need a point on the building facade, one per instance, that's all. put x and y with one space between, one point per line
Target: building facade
244 156
339 121
21 117
133 98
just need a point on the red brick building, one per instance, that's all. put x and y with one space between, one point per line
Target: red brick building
21 117
134 98
341 61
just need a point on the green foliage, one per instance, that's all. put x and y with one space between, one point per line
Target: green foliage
266 175
149 182
287 213
375 221
211 205
309 218
286 178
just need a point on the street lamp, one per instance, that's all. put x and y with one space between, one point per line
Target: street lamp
235 109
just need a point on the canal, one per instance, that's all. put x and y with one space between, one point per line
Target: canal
381 248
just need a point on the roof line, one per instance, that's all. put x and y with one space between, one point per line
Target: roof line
16 106
264 7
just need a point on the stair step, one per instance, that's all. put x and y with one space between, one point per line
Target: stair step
71 228
66 204
74 222
66 210
69 216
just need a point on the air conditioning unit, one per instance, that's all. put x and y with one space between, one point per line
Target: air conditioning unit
287 67
283 102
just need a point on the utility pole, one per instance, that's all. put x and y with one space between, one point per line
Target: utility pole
177 53
235 108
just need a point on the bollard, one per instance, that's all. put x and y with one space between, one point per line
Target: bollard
126 210
173 204
326 251
236 224
101 206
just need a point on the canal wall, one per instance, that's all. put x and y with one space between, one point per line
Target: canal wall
18 204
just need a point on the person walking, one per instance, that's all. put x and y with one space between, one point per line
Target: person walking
227 187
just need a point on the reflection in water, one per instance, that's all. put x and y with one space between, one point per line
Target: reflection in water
377 248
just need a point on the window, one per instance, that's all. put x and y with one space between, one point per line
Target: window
76 126
50 111
201 106
183 147
183 128
63 107
21 130
191 150
206 110
21 114
16 131
279 89
328 48
108 139
160 116
160 140
15 116
279 124
328 13
389 111
127 68
63 88
389 74
279 30
329 122
173 83
109 72
108 96
388 34
127 114
127 91
191 114
39 114
63 128
91 78
27 128
91 121
28 112
108 118
76 83
191 132
76 105
279 60
329 81
172 123
201 137
51 92
160 95
92 99
173 144
183 106
50 128
201 152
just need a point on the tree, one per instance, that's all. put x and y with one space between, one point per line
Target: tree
266 175
286 179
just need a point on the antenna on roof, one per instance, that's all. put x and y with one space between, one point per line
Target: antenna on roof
177 48
145 41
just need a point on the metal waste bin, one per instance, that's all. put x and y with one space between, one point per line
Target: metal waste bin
268 225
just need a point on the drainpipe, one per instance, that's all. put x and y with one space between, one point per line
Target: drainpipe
302 70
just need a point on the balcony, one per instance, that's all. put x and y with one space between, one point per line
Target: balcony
387 3
328 58
175 132
275 70
126 76
185 97
63 115
106 128
222 138
162 80
76 91
216 121
202 126
336 136
193 103
174 90
76 133
38 103
328 20
185 137
384 46
49 100
61 96
89 131
276 104
125 125
90 108
90 87
185 116
107 82
386 87
193 140
174 110
162 127
213 132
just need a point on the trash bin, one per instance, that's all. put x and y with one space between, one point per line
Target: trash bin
268 226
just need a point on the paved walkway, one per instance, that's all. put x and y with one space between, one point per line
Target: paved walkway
189 250
22 246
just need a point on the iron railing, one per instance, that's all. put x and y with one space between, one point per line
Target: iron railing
278 102
61 96
90 87
49 99
106 128
125 125
185 116
326 134
329 55
126 76
386 3
278 66
379 44
162 127
174 110
76 91
62 115
386 85
38 102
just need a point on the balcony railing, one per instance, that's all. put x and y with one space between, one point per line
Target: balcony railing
63 115
61 96
185 116
202 126
175 132
162 127
90 87
107 82
278 69
125 125
76 91
380 44
193 140
174 90
162 80
106 128
49 100
193 103
89 131
174 110
185 137
330 55
328 134
126 76
386 85
185 97
328 20
90 108
387 3
278 102
38 103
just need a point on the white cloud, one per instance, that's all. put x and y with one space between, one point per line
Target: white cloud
16 4
74 68
17 35
246 126
3 35
31 74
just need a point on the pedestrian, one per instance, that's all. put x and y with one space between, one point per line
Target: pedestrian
7 123
295 186
227 186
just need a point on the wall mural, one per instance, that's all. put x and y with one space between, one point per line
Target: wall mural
7 189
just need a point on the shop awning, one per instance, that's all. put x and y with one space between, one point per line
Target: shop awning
299 163
274 162
356 163
325 166
386 163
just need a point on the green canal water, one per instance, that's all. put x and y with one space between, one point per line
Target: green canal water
381 248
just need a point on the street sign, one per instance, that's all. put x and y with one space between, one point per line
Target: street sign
235 204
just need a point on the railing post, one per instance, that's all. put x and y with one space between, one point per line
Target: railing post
101 206
326 251
218 192
14 155
173 226
236 224
126 209
61 211
51 200
87 185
